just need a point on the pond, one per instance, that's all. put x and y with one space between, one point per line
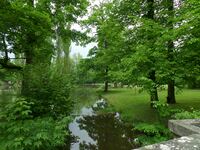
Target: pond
94 131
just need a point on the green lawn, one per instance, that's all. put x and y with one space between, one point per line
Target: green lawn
135 106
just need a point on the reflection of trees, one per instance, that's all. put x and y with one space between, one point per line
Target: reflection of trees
67 144
85 146
107 131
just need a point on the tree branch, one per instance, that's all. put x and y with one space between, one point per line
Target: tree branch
8 65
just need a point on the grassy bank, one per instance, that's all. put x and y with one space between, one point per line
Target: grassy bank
135 106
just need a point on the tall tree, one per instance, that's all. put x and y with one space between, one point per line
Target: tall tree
34 54
62 14
108 37
187 35
171 82
152 73
141 49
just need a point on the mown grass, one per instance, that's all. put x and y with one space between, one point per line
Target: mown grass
135 106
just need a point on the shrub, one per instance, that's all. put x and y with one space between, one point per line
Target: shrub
20 131
164 110
152 133
194 114
50 91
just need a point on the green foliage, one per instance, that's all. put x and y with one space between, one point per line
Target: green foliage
164 110
152 129
146 140
18 25
153 133
194 114
20 109
85 72
20 131
34 31
141 46
33 134
104 56
49 90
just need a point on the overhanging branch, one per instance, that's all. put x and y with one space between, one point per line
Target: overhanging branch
8 65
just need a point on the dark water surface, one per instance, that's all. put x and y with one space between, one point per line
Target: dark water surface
99 132
197 124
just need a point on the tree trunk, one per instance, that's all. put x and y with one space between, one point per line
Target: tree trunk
106 69
153 90
171 92
106 80
106 86
115 84
152 73
171 83
27 73
150 13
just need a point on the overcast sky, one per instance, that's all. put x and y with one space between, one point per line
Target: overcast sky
75 49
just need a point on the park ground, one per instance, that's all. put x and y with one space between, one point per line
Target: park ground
135 106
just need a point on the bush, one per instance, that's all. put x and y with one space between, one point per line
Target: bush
163 109
151 133
194 114
49 90
20 131
33 134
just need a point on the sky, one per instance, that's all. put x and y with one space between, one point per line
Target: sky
75 49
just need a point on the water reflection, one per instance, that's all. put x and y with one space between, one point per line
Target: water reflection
99 132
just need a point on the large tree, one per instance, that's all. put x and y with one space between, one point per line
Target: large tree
17 21
187 36
36 31
108 38
142 57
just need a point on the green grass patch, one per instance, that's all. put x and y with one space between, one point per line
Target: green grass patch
135 106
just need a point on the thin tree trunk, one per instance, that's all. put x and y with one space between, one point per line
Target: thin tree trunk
106 80
115 84
106 70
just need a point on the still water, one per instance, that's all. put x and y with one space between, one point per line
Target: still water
99 132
